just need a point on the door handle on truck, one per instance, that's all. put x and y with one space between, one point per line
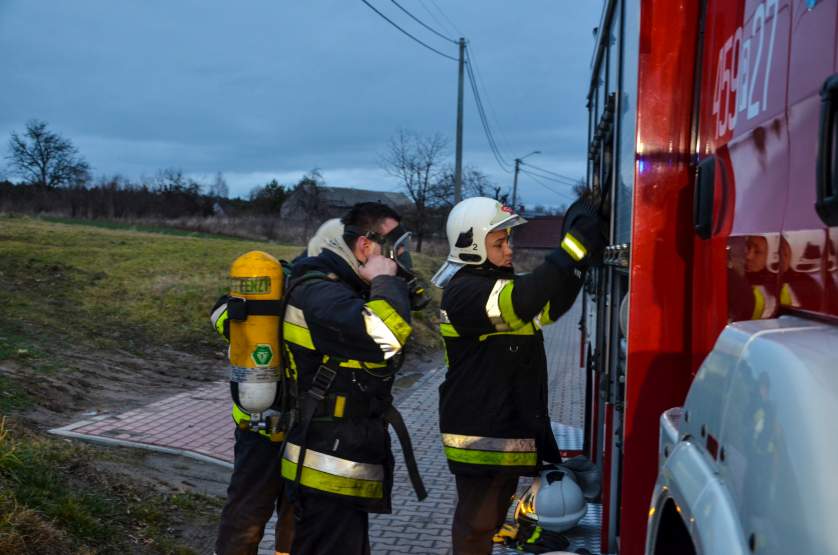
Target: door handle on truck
826 187
705 180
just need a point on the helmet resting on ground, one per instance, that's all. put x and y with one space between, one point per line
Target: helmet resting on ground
554 501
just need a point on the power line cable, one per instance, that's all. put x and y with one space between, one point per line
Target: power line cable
433 16
484 120
446 18
394 24
422 23
552 190
482 85
574 179
486 129
561 181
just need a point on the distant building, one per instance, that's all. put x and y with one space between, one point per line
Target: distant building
323 203
539 233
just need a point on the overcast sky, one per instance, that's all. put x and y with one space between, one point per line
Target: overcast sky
273 88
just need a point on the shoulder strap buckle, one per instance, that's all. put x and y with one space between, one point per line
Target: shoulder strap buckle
321 382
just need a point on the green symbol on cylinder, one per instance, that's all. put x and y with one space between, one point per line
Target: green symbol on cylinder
262 354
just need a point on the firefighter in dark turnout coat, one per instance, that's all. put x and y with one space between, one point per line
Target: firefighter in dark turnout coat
256 486
493 402
345 325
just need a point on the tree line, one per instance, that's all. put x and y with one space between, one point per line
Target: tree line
56 179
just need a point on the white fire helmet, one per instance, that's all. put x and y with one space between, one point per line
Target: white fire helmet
554 501
468 224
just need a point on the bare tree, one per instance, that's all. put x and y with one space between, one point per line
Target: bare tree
415 161
475 184
218 188
170 180
46 158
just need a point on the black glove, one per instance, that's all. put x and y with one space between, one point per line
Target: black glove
582 246
419 297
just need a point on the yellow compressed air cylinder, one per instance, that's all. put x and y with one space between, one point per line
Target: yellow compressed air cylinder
254 341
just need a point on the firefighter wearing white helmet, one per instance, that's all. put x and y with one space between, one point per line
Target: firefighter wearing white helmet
493 402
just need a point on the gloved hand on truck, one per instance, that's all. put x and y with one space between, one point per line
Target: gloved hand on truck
583 238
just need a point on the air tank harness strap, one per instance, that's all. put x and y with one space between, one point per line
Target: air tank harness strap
239 309
287 391
394 418
312 399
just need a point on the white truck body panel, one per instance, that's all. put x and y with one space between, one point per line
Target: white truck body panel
766 396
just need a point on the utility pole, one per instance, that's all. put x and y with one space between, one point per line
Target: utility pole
515 184
458 163
518 162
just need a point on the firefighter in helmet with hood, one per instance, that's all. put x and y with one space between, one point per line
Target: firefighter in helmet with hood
346 323
493 402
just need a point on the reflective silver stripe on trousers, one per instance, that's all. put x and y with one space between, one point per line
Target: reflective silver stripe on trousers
493 306
335 465
294 315
510 445
381 334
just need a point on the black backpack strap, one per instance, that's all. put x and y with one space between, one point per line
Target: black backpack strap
393 417
320 385
315 395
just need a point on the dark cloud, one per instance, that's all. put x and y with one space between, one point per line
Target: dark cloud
277 86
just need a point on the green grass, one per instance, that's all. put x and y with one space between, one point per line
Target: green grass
13 396
68 285
53 500
146 228
113 288
116 288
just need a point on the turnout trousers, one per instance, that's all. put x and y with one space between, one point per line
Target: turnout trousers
325 526
482 504
255 492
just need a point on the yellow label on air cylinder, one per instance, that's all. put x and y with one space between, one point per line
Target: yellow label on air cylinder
255 276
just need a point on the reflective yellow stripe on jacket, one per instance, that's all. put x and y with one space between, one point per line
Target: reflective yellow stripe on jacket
490 451
501 311
295 329
386 327
218 318
333 474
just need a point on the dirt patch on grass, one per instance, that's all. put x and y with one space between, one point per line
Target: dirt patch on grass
69 382
177 501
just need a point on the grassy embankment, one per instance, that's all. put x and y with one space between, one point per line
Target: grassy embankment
104 288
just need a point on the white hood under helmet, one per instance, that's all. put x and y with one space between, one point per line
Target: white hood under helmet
329 236
468 224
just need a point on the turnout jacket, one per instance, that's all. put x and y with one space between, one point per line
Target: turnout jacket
493 402
355 330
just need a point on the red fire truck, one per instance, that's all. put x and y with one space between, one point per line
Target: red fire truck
711 335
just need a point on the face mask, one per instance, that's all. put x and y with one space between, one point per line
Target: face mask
394 246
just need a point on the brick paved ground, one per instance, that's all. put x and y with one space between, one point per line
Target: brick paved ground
197 424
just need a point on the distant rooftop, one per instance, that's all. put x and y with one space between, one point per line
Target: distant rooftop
344 197
333 202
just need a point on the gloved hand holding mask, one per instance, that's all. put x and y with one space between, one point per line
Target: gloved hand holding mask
395 246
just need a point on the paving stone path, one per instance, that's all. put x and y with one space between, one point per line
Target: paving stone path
196 424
